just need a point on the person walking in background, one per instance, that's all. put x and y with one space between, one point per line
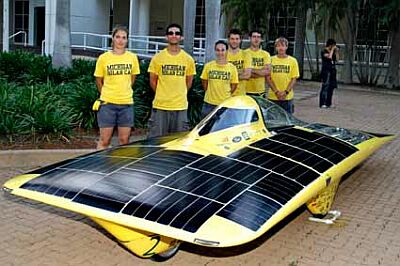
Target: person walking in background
328 73
284 73
219 79
115 74
240 59
171 76
260 65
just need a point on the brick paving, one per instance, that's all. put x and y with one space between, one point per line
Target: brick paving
368 232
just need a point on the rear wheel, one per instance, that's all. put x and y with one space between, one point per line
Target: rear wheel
166 255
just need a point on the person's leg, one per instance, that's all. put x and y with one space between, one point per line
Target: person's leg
324 90
329 95
105 138
206 109
158 123
331 87
286 105
106 120
182 121
283 104
123 135
290 106
125 123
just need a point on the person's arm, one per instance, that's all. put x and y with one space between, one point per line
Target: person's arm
133 78
189 82
329 53
260 73
273 87
153 81
233 87
245 74
99 83
204 83
290 86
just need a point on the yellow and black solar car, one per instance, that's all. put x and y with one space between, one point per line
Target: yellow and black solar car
240 171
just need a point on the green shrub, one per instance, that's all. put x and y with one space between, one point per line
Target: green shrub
37 99
195 98
79 99
24 67
143 96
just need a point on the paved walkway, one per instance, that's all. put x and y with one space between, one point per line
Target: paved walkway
369 199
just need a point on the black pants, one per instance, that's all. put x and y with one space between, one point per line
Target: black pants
329 83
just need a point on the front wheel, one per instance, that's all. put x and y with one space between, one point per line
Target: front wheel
166 255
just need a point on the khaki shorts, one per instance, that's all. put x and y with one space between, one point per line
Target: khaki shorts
163 122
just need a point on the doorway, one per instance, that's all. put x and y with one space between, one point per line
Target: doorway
39 26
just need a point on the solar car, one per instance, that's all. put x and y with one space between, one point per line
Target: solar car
240 171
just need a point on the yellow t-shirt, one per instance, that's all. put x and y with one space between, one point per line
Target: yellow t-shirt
282 72
172 71
220 78
259 59
116 71
241 61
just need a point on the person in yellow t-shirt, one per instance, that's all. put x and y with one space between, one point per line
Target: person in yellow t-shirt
284 73
260 65
171 76
219 79
240 59
115 74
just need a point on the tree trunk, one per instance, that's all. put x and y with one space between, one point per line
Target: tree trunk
392 78
189 15
213 12
349 40
62 42
300 36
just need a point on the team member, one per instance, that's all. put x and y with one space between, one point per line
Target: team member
284 73
239 59
328 73
115 74
219 79
171 76
260 62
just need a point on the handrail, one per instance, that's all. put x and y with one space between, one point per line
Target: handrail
43 46
144 45
17 33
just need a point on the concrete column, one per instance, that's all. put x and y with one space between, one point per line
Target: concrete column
189 15
50 21
222 25
143 23
6 27
213 11
133 19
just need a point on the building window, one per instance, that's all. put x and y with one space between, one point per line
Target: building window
281 24
200 26
21 19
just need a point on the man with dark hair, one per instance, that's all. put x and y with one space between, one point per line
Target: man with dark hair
171 76
239 59
328 73
173 25
260 65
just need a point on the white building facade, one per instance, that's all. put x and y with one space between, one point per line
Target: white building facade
33 21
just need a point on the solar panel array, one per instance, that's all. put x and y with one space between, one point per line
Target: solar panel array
183 189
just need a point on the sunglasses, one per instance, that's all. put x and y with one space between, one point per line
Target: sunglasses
176 33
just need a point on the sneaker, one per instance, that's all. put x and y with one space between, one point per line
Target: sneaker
324 106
